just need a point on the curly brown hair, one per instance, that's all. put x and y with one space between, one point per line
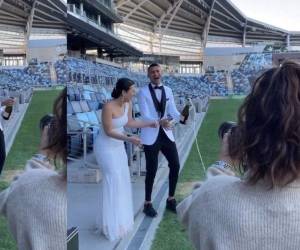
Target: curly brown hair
266 142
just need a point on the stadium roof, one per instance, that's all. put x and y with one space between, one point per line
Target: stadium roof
212 20
84 31
19 17
106 12
33 13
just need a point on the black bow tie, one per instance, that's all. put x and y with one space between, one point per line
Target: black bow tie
158 87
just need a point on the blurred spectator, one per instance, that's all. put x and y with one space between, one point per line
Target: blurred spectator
35 204
261 210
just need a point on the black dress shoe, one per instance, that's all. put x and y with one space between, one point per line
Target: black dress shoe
171 205
149 210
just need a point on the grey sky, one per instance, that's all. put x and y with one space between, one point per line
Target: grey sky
280 13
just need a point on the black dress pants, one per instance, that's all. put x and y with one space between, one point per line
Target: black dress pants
2 150
169 150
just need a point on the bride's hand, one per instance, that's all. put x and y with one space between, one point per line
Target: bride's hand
135 140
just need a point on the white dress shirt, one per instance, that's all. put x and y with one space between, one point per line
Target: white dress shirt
158 92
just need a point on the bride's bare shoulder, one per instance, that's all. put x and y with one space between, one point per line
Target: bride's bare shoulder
108 107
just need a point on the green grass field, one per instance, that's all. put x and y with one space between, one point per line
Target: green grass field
25 145
27 140
171 235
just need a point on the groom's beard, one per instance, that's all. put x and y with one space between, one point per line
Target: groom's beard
156 81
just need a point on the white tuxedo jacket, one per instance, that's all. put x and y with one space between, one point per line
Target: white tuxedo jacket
149 113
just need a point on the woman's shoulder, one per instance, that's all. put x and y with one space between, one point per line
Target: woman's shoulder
108 105
33 178
207 196
223 180
220 184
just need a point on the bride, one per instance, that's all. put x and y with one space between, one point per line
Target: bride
117 205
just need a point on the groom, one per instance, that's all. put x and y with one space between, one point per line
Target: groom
156 102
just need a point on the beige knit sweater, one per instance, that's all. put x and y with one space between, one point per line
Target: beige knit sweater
35 206
226 214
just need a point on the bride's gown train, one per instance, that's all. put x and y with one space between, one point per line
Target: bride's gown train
117 209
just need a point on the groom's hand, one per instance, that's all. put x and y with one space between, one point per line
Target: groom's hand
165 123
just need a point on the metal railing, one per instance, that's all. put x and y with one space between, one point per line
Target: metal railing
91 129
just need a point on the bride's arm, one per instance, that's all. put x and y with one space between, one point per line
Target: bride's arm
108 128
138 123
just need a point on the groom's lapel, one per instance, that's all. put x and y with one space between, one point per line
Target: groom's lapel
163 101
155 101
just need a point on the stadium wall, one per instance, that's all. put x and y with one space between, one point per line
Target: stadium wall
46 50
227 62
280 57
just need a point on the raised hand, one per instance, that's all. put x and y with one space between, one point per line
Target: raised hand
165 123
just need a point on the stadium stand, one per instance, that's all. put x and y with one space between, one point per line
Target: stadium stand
249 69
76 70
33 75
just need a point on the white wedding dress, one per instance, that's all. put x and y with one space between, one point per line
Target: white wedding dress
117 205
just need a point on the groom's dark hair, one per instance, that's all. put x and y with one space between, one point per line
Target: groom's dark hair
153 65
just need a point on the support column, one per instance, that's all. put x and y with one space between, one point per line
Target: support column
99 20
82 49
288 45
81 9
151 43
204 35
99 52
244 34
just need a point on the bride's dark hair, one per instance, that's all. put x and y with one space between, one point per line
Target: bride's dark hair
122 84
